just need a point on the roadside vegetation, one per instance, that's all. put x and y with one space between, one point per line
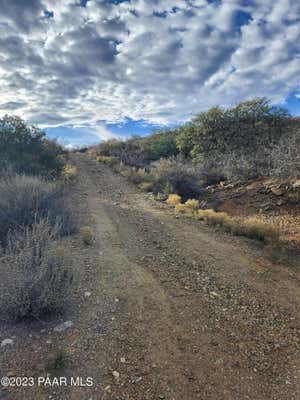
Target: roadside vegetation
250 141
37 273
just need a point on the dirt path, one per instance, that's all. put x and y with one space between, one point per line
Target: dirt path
177 310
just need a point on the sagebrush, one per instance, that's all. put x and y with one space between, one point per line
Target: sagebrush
37 274
25 200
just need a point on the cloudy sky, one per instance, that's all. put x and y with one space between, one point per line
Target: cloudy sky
86 70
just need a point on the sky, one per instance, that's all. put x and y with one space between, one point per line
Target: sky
87 71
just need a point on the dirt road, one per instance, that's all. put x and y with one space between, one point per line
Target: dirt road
166 309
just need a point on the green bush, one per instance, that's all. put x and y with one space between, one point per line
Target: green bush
159 145
245 127
138 151
26 150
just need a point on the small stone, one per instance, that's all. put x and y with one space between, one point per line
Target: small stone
214 294
277 191
87 294
136 379
116 375
123 360
7 342
64 326
296 184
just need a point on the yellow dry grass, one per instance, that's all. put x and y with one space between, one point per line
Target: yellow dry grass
173 199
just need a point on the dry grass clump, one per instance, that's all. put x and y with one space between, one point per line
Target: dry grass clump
36 273
25 200
173 199
192 204
181 208
252 228
87 235
212 217
257 229
107 160
189 207
69 172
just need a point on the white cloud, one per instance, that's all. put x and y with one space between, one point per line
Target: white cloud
160 61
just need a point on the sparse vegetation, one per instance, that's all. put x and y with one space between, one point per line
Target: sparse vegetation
251 140
58 361
36 272
257 229
212 217
25 200
252 228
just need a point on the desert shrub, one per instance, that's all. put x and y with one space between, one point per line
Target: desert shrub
279 161
36 273
126 151
26 149
140 151
69 172
173 199
246 127
87 235
25 200
243 166
145 186
159 145
285 157
135 175
212 172
175 175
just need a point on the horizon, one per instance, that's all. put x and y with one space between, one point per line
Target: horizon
86 71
